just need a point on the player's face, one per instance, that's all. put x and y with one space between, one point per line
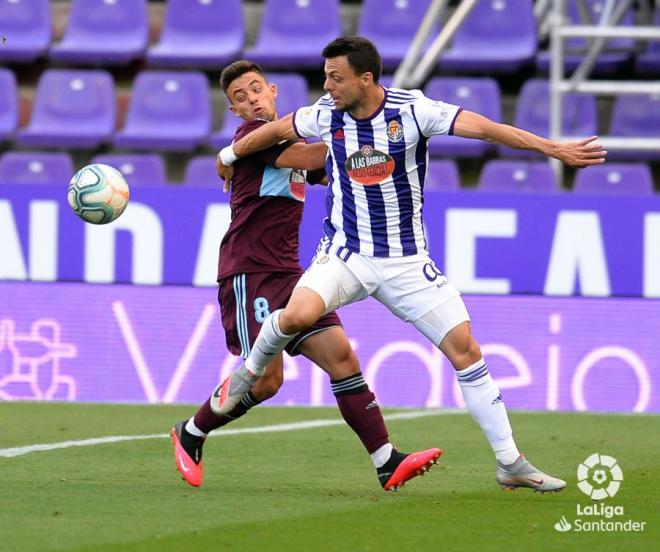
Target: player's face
252 97
346 88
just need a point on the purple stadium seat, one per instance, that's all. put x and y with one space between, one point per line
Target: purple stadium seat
648 62
8 104
616 53
442 176
200 33
474 94
71 109
615 179
111 32
168 111
517 176
636 116
391 25
294 32
146 169
25 28
580 116
200 173
36 168
497 36
292 94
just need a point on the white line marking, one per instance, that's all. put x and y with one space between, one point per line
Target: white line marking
21 451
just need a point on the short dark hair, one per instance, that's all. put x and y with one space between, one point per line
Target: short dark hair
234 70
362 55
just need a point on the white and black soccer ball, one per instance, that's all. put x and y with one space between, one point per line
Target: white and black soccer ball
98 193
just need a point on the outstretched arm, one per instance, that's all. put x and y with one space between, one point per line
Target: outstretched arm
575 154
302 156
262 138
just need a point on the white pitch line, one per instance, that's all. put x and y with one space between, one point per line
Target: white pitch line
21 451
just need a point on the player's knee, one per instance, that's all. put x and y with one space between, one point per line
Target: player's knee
294 320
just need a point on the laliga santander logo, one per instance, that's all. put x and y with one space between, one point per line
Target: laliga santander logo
599 476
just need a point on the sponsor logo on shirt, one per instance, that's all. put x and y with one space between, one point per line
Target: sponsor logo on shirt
369 166
297 184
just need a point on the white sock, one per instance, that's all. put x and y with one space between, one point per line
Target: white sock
484 401
382 455
269 343
193 429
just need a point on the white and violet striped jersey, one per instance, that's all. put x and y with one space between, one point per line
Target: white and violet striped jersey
376 167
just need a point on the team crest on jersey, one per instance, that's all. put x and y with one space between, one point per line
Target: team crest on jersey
369 166
394 131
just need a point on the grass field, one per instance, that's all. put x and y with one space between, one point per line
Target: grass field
307 489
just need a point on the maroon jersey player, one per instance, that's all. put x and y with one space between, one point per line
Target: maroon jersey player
258 269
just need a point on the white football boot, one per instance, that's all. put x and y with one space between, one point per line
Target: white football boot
523 474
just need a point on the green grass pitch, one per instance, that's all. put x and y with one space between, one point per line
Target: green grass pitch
307 489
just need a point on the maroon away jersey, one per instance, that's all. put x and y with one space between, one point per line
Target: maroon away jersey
266 211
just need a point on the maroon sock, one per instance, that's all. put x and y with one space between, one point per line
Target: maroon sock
359 408
206 420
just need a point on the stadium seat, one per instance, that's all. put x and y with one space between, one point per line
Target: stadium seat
616 53
201 173
475 94
109 32
497 36
26 28
391 25
442 176
294 32
36 167
71 109
138 169
517 176
292 94
636 115
200 33
615 179
168 111
8 104
648 62
580 117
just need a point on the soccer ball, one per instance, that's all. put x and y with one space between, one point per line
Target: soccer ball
98 193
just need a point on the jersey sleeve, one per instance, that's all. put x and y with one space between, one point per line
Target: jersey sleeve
316 176
267 156
306 121
435 116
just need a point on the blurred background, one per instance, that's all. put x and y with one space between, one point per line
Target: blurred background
562 267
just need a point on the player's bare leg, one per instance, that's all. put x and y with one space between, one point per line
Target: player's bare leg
188 436
303 310
331 350
484 401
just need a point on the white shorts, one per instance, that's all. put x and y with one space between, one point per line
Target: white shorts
412 287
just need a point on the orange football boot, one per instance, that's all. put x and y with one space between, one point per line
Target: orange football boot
188 462
403 467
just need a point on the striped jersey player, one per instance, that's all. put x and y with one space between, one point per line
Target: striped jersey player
374 242
377 166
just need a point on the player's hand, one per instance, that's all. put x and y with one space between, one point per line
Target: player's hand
225 172
581 154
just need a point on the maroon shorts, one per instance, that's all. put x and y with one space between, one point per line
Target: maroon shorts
247 299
